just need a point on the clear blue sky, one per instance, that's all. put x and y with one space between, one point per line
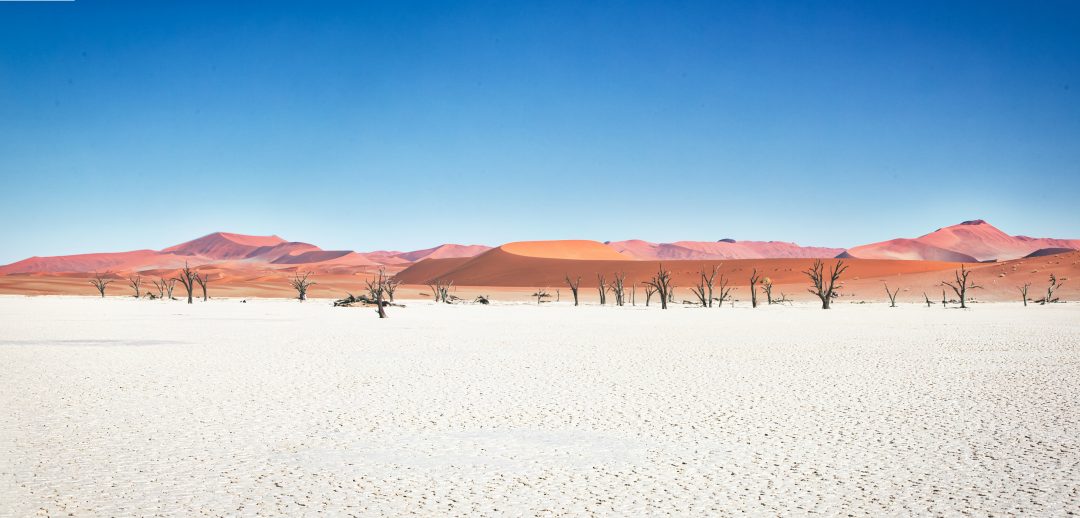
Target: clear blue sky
401 125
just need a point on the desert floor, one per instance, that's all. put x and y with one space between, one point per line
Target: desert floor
136 407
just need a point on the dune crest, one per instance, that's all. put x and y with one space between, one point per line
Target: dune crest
579 249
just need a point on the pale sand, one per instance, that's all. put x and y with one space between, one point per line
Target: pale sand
124 407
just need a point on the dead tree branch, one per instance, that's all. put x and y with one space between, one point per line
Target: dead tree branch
961 285
186 276
135 282
100 283
574 287
825 290
661 284
301 285
892 295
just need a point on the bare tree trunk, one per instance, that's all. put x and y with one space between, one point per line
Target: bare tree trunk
961 285
100 283
661 284
301 284
1024 292
135 282
753 288
202 280
825 290
602 288
892 295
574 287
725 291
187 279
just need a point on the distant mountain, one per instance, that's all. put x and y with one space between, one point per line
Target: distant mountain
970 241
722 249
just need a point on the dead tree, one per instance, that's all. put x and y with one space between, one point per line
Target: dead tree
753 288
391 286
135 282
892 295
540 295
661 283
700 292
618 288
160 287
1024 292
724 292
202 281
440 289
100 282
961 285
573 286
602 288
1050 289
928 303
943 299
301 285
704 288
165 287
377 288
825 290
633 295
186 276
649 291
766 284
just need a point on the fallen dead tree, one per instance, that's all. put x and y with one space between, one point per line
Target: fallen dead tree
363 300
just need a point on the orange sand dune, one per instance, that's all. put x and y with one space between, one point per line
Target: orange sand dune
579 249
499 267
864 278
520 276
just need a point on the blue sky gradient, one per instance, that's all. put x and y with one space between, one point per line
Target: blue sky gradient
401 125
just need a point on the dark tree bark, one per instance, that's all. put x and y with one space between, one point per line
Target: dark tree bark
754 278
100 283
824 288
135 282
724 291
202 281
661 283
1024 292
541 295
961 285
440 289
618 288
892 295
187 279
573 287
301 285
602 288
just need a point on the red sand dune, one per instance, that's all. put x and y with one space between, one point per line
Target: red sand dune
118 261
723 249
975 238
445 251
260 264
907 250
223 245
502 267
579 249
